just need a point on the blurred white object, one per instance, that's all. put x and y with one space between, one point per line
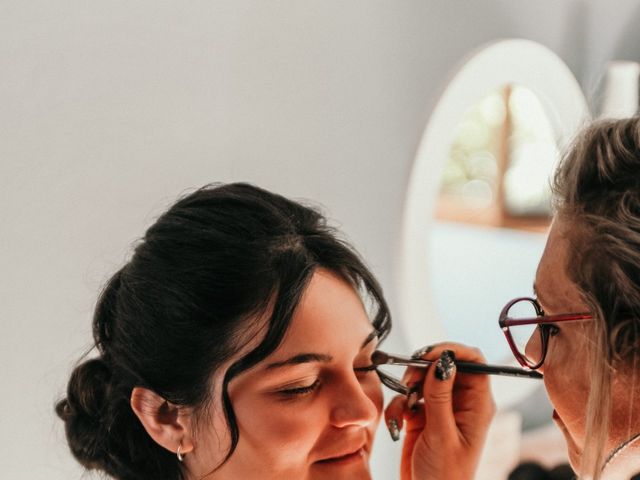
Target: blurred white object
545 445
501 452
621 90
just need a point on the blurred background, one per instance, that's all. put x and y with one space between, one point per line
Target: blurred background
110 110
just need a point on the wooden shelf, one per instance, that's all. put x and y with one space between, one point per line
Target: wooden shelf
454 209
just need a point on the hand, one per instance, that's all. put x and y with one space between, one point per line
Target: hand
445 434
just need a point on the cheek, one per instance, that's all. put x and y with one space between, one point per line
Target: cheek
294 428
280 429
298 423
567 384
212 440
275 440
373 389
285 434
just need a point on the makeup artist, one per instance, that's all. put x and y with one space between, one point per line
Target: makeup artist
592 264
586 313
237 344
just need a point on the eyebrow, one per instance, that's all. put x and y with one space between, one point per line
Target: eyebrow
316 357
537 294
375 333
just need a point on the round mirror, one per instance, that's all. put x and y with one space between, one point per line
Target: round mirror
477 203
492 211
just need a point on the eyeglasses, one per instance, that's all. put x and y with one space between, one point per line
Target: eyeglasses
528 329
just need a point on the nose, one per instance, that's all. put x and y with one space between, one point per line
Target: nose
533 348
352 405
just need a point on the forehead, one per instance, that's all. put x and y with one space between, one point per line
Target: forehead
552 263
330 313
329 316
553 285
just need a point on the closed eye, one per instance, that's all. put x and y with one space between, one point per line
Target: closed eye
300 390
368 368
361 372
316 384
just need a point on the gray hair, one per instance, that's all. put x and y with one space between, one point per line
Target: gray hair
597 190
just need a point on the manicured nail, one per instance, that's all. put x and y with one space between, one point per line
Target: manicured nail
445 365
415 390
422 351
412 400
394 430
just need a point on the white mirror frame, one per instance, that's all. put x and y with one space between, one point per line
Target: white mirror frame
513 61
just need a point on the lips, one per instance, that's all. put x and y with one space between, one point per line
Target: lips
345 455
343 459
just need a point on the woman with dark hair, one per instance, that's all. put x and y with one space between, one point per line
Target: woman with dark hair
236 344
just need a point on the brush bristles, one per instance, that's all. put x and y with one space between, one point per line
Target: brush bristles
379 358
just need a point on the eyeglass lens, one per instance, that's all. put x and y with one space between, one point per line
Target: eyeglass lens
528 338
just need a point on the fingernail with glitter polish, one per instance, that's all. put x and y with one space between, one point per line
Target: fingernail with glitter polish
445 365
394 430
422 351
412 400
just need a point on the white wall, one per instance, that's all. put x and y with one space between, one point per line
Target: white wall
109 110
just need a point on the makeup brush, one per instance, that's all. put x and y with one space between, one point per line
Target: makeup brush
381 358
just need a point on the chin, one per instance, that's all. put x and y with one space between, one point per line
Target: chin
343 475
573 451
574 460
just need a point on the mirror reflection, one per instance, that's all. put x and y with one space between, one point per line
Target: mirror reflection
491 218
499 164
492 213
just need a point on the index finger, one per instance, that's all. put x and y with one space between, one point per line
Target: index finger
462 352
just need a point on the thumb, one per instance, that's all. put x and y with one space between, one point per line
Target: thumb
438 396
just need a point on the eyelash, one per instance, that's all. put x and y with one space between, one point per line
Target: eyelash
366 369
316 384
553 329
301 390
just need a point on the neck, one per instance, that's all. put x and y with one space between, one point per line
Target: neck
624 460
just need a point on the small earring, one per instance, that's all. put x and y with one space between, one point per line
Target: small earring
180 456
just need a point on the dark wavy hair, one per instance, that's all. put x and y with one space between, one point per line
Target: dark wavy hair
167 320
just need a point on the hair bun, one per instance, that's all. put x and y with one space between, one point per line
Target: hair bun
84 410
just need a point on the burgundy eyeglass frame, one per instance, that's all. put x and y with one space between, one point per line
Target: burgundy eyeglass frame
542 319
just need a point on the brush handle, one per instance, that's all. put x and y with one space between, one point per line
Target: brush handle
466 367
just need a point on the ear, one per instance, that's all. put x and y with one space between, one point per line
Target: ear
168 424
